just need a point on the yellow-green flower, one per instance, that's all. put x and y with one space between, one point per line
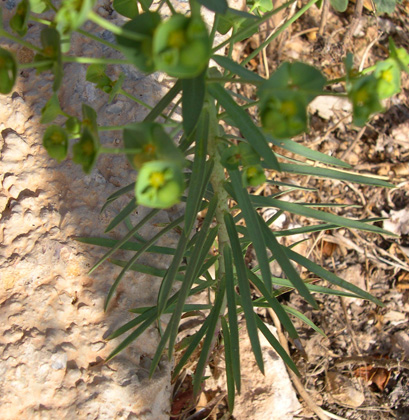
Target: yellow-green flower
159 184
181 46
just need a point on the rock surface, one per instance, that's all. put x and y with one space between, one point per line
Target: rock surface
52 322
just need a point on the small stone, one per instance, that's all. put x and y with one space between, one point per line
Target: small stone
59 361
115 108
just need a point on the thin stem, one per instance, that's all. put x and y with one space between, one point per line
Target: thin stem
121 127
20 41
94 17
40 20
172 9
281 29
224 115
98 39
118 151
230 80
217 180
214 28
93 60
254 25
34 64
134 98
172 122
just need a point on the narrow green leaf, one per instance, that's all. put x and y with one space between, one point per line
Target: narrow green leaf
210 336
319 228
304 319
128 245
253 226
124 213
125 239
277 346
204 243
331 277
133 323
167 282
189 307
246 125
228 353
244 290
286 184
236 68
131 337
218 6
306 152
144 247
286 321
194 90
164 102
198 180
312 287
285 264
197 337
317 214
232 315
117 194
145 269
333 174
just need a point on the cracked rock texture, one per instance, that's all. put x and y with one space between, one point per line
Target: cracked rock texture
52 321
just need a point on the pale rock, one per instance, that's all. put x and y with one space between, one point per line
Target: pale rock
269 396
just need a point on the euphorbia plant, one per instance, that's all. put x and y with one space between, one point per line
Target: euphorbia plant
221 170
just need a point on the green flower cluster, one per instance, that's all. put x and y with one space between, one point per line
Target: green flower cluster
179 46
152 152
244 155
366 92
285 96
8 71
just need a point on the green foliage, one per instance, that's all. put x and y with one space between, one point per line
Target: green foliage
55 141
50 55
181 46
339 5
140 53
127 8
385 6
196 162
19 21
285 96
8 71
159 184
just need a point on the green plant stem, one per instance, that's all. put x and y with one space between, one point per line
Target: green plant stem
92 60
80 31
172 9
39 20
173 123
34 64
98 39
257 22
275 34
217 179
134 98
94 17
230 80
20 41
